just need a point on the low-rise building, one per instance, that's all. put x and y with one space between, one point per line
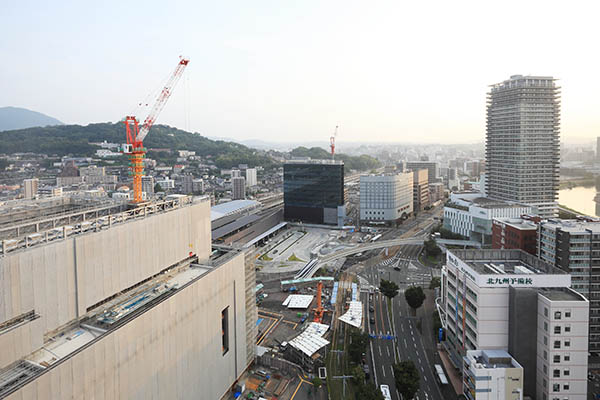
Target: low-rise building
492 375
470 215
515 233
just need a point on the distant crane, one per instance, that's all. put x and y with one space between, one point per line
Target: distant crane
319 310
134 147
332 142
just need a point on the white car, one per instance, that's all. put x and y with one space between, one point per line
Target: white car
385 390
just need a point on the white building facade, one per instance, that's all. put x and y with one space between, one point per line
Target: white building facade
562 346
492 375
251 179
505 300
386 198
470 215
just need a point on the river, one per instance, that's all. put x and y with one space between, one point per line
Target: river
580 199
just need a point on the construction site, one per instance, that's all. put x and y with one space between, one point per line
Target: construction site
123 302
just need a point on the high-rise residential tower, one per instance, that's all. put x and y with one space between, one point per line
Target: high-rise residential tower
522 142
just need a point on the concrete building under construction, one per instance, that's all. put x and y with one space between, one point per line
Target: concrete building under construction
112 301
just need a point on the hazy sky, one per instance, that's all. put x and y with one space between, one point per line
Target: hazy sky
401 71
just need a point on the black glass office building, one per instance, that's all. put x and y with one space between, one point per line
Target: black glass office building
313 191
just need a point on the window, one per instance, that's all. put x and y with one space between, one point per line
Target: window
545 326
566 386
566 372
556 387
556 359
567 328
225 330
556 373
557 344
567 357
557 314
545 312
557 330
546 340
567 343
568 314
545 368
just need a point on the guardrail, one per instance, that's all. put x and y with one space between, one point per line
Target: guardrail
91 225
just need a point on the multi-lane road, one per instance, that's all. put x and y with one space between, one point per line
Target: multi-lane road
396 337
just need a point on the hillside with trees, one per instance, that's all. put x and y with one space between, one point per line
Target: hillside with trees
77 140
359 163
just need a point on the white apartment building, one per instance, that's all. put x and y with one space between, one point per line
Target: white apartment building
492 375
492 301
470 215
251 179
562 345
387 197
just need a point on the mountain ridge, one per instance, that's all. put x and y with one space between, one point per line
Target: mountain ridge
12 118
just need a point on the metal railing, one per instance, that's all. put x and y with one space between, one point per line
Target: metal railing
82 225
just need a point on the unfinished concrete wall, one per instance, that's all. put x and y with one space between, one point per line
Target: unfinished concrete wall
61 280
20 341
172 351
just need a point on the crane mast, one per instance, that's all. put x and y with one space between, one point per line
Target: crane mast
332 142
135 135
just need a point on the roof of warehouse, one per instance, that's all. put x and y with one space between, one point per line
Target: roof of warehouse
232 207
311 340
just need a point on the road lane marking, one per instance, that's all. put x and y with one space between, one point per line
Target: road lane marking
383 369
379 350
392 369
388 351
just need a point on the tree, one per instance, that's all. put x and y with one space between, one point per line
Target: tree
414 296
388 288
358 344
158 188
435 282
431 248
407 378
369 392
316 381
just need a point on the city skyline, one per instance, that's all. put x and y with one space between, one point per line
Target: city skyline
288 73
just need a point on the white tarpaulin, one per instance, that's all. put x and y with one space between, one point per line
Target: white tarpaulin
311 340
354 314
298 301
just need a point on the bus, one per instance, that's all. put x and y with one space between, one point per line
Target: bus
441 376
375 238
385 390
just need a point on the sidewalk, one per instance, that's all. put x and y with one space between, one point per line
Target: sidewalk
451 372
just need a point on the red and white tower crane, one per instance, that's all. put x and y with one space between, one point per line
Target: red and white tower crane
135 136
